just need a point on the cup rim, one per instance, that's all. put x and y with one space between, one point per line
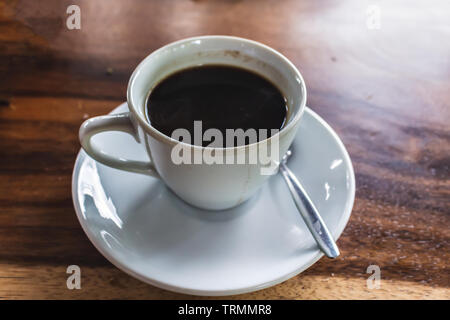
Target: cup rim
168 140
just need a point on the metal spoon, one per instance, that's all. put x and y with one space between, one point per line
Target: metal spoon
308 211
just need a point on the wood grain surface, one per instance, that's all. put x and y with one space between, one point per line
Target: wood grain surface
385 88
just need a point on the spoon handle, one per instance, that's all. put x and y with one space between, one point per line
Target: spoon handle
310 214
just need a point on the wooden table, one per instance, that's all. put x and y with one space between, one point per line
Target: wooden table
377 71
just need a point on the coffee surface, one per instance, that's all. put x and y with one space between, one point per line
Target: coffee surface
222 97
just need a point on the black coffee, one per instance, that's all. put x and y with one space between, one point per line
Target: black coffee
222 97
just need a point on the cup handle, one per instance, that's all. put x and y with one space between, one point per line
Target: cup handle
114 122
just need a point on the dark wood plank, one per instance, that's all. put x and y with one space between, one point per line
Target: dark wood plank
385 91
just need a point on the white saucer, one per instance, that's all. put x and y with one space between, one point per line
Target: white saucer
141 227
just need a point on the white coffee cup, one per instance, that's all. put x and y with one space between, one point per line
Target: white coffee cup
208 186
